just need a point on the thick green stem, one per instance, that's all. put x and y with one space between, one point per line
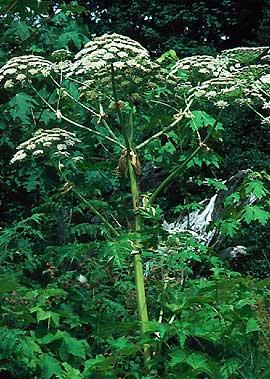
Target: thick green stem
138 265
137 250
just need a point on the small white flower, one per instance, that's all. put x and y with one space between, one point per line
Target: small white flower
203 71
61 146
108 56
32 71
82 279
266 105
10 71
265 79
77 159
58 114
18 156
266 121
38 152
9 84
222 104
20 77
31 146
122 54
211 94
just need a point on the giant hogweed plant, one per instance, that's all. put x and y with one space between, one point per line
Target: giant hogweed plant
113 101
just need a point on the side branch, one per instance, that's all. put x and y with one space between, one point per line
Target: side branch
180 169
99 215
60 115
167 128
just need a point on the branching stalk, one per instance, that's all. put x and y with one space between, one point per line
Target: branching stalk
74 122
180 169
167 128
74 99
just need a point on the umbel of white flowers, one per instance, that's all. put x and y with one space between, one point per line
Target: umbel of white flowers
100 53
238 75
20 68
57 140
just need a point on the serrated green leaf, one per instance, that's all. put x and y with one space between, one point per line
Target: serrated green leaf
229 368
256 188
75 347
7 283
197 361
42 315
202 119
50 366
229 227
255 213
232 199
71 372
177 357
99 363
21 105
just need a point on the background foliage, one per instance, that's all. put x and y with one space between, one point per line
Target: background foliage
67 288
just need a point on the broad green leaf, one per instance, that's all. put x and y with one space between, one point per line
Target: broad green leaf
50 366
71 372
255 213
49 338
197 361
229 227
124 347
50 316
202 119
182 336
256 188
75 347
7 283
23 30
252 325
232 199
21 105
177 357
169 56
229 368
99 363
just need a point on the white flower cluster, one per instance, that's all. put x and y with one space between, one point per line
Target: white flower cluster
100 53
245 55
202 66
234 74
60 55
57 140
20 68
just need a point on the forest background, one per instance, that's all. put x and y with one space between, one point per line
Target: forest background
67 288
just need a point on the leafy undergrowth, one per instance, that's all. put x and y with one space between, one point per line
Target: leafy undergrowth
69 313
101 147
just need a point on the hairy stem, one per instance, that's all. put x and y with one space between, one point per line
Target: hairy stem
138 265
137 249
